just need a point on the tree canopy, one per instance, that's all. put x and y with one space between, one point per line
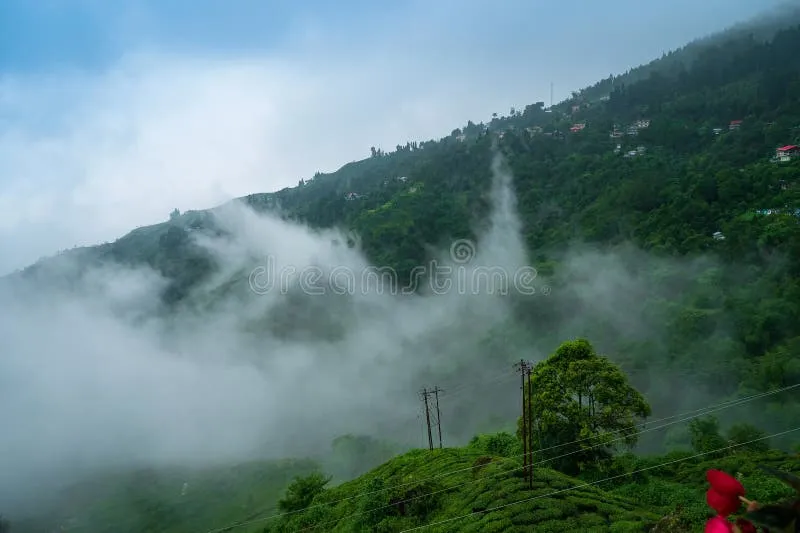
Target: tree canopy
302 491
578 396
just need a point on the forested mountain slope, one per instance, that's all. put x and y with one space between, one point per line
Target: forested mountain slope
703 164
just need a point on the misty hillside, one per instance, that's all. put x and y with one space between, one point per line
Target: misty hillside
657 218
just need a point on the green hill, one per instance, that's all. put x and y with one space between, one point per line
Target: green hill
486 492
496 482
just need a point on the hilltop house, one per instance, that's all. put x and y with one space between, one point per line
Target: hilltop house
787 153
734 125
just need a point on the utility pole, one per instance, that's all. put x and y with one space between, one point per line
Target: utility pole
436 391
426 394
529 403
522 367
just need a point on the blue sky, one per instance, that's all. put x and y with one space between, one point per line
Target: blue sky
114 112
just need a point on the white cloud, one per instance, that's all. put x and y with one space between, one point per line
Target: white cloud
92 377
156 133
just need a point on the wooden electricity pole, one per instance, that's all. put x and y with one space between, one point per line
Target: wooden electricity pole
522 367
436 391
425 392
529 404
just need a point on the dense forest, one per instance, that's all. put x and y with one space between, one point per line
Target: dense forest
682 177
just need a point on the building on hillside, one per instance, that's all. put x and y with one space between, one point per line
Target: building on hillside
717 131
352 196
632 130
718 236
787 153
641 150
642 124
618 149
535 130
616 134
735 125
403 179
631 153
577 127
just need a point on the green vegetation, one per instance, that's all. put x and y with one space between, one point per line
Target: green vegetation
483 482
576 394
415 489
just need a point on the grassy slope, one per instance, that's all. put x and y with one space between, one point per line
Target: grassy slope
664 490
498 483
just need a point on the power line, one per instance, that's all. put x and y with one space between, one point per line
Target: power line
699 412
452 391
553 493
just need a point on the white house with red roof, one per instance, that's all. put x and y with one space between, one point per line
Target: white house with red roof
787 153
735 125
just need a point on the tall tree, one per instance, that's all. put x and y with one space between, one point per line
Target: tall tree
582 403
